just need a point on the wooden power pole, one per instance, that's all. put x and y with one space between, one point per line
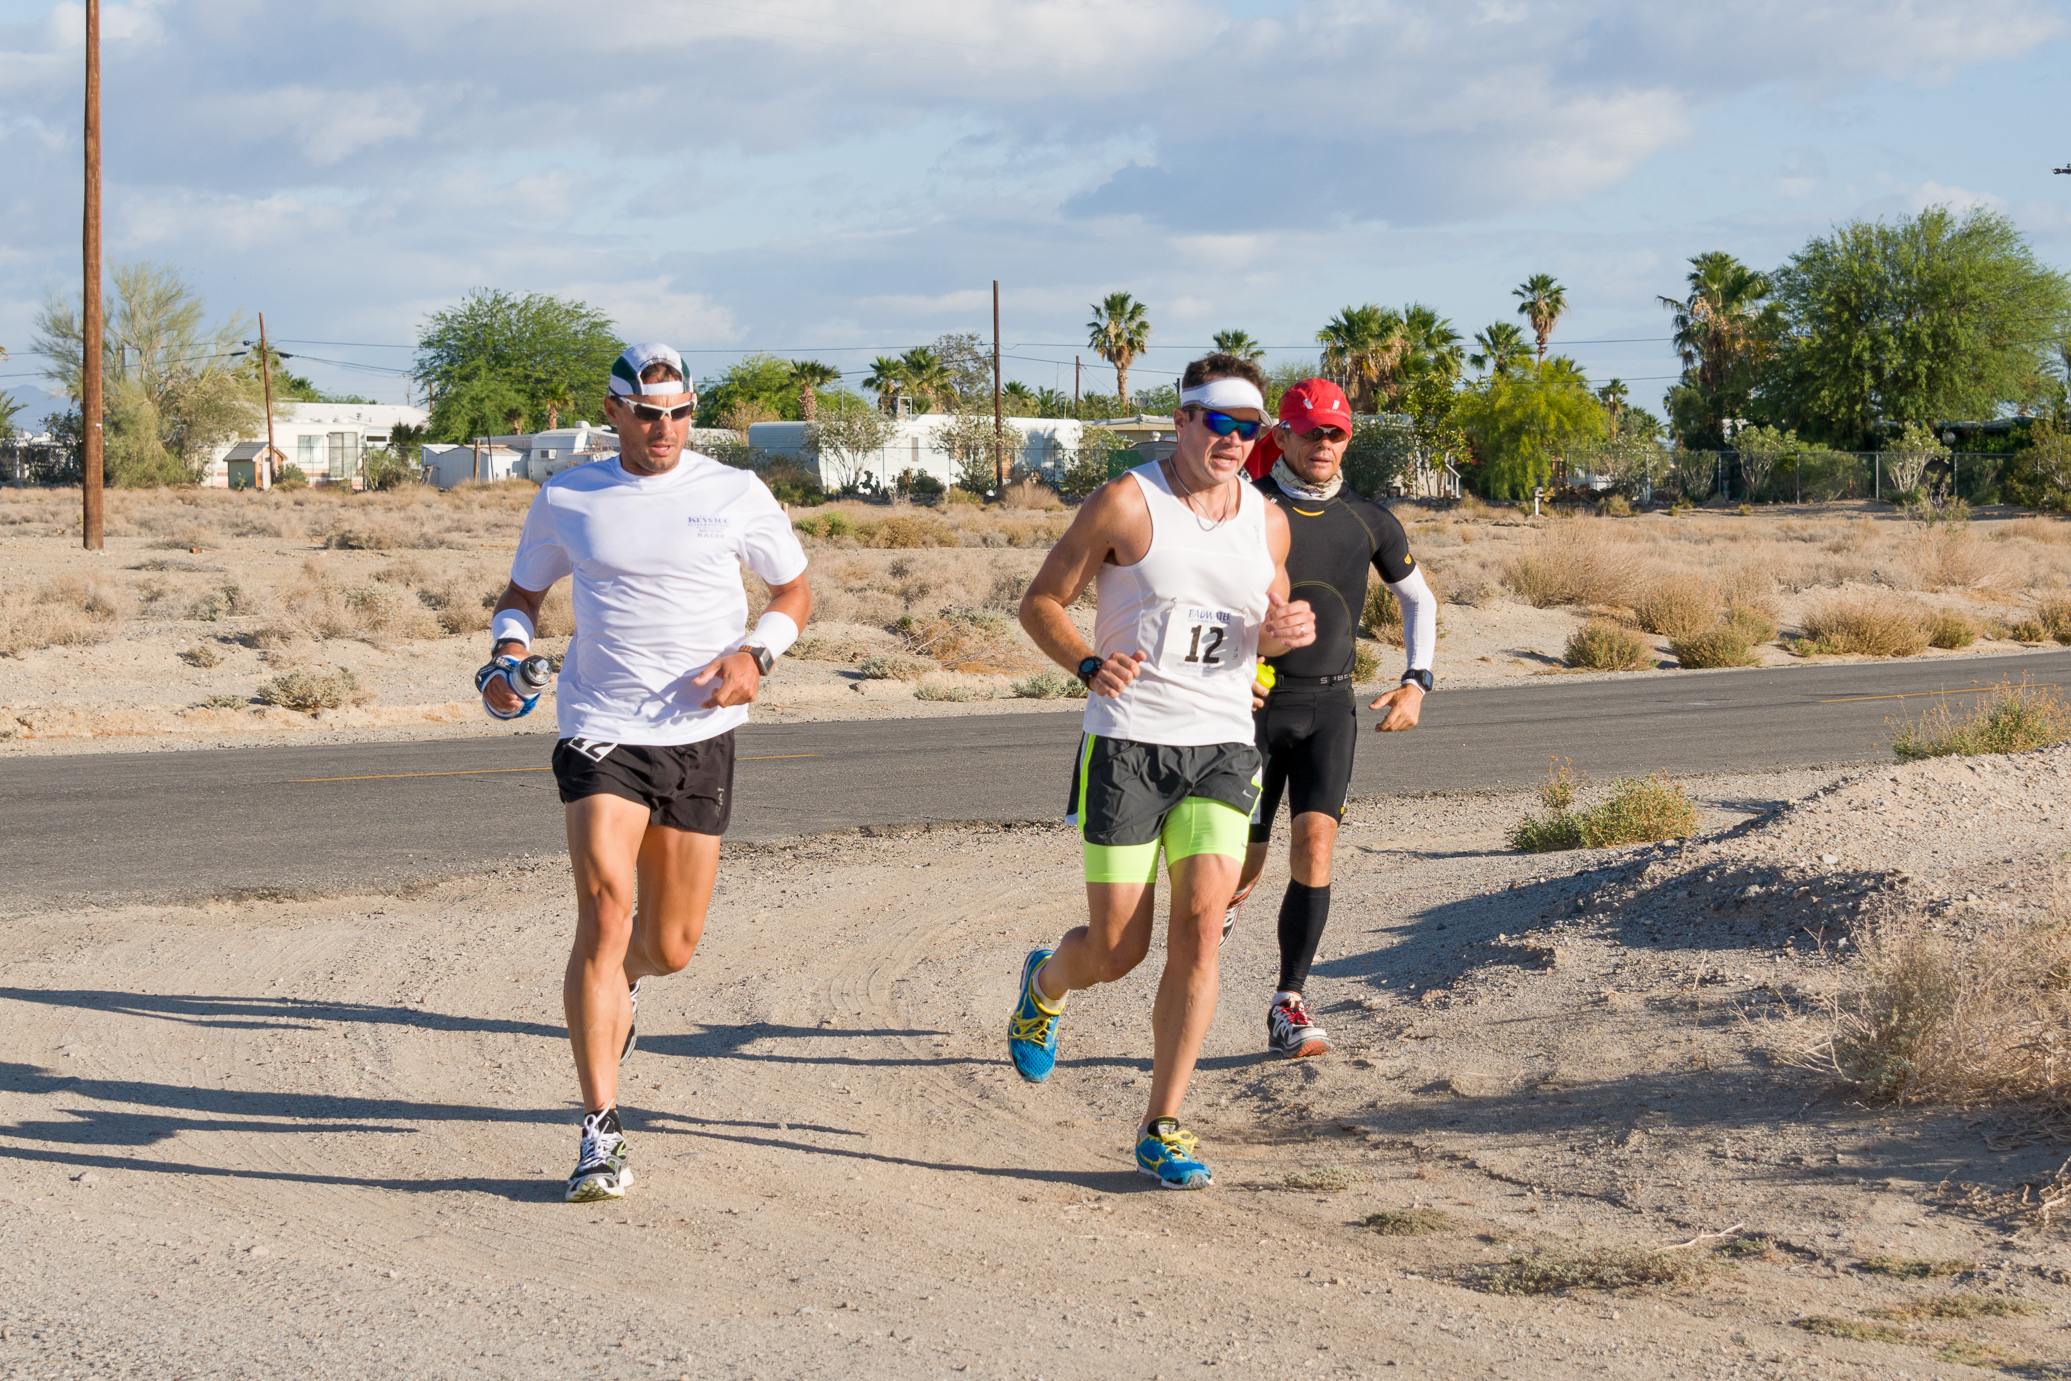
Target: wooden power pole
90 450
263 476
999 424
1075 387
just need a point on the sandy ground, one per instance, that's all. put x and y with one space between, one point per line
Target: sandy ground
140 689
326 1138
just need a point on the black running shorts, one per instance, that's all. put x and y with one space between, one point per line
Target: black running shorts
686 786
1306 736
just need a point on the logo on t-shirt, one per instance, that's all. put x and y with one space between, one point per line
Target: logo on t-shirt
710 529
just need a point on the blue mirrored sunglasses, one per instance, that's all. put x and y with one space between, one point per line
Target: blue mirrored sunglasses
1222 424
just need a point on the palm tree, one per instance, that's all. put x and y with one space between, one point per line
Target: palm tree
1502 345
1363 346
555 403
930 378
887 379
1119 331
1715 325
1613 395
1052 402
808 375
1240 344
1434 346
1542 302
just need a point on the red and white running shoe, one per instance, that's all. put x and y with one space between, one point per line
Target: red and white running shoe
1291 1032
1229 917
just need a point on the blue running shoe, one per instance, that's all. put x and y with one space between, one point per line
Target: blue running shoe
1032 1030
1166 1154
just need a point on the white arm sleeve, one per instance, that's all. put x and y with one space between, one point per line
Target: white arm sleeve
1419 619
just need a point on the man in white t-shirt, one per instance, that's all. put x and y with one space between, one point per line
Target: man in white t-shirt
654 683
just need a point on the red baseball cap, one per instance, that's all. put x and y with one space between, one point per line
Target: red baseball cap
1314 403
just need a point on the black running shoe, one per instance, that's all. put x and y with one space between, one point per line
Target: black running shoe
601 1171
1229 916
633 1022
1292 1032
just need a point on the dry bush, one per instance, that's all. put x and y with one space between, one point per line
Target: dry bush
1608 1268
2053 530
962 639
1949 630
1381 615
1721 645
228 600
1637 812
317 606
310 691
1574 561
187 538
70 611
2010 719
1932 1015
375 530
203 655
1601 645
1410 1222
896 666
1031 493
1956 560
1863 624
1676 606
1050 684
2054 614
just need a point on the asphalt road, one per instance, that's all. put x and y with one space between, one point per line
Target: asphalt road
346 817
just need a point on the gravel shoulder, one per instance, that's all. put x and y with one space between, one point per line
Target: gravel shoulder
327 1136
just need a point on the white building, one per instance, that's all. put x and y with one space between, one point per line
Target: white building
326 441
1046 450
535 456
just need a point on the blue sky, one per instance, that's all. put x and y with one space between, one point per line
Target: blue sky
835 181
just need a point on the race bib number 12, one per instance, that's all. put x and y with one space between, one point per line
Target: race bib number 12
1202 642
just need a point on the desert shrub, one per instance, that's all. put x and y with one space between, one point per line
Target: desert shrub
380 608
1934 1015
2027 631
1867 625
389 530
1756 621
1366 663
225 601
203 655
908 530
1614 506
1609 1268
310 691
2010 719
895 666
2054 614
1030 493
817 649
949 690
1721 645
1676 606
189 538
1950 630
1601 645
965 639
290 478
1961 1305
70 611
957 496
1955 559
1410 1222
1636 812
1573 562
1050 684
1381 615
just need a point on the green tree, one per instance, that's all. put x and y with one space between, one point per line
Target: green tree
933 383
1119 332
1613 395
1721 331
1087 469
1362 346
536 347
844 435
967 436
969 362
171 392
807 375
1501 346
1935 317
1522 421
754 388
1543 302
10 408
887 379
1434 348
1052 402
1240 344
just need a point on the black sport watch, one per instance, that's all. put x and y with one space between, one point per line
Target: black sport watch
1090 668
763 661
1423 679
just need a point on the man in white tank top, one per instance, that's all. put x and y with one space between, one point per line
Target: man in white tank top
1189 567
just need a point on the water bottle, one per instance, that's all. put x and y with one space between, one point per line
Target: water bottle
527 678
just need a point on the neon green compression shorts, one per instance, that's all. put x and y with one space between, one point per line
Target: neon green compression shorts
1129 799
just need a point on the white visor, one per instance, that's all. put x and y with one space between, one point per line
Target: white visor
1224 394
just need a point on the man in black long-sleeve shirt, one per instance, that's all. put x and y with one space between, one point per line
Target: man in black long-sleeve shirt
1308 727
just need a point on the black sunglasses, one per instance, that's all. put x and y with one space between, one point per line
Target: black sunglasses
1222 424
650 412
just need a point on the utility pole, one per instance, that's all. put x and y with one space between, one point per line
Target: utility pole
265 471
90 451
1075 388
999 423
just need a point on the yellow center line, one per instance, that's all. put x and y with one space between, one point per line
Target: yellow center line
1968 690
487 771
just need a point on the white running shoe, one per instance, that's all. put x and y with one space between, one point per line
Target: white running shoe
601 1171
1229 917
1290 1031
633 1025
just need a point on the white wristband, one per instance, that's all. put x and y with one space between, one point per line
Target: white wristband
510 626
775 631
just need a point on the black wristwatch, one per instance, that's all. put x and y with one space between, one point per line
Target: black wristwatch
1090 668
1422 678
763 661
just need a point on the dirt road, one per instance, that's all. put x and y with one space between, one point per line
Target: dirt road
326 1138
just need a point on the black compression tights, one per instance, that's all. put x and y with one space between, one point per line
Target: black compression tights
1302 914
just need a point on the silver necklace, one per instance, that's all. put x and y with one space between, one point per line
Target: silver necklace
1187 494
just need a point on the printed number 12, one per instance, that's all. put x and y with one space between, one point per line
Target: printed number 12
1206 656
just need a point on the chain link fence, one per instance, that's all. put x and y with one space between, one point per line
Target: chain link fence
1791 476
38 462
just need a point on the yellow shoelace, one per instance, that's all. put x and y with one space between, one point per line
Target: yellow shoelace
1181 1141
1035 1029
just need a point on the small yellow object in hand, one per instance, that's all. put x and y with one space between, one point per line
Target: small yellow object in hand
1265 675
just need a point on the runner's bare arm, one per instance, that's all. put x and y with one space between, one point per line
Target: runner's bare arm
740 681
1112 525
498 693
1289 624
